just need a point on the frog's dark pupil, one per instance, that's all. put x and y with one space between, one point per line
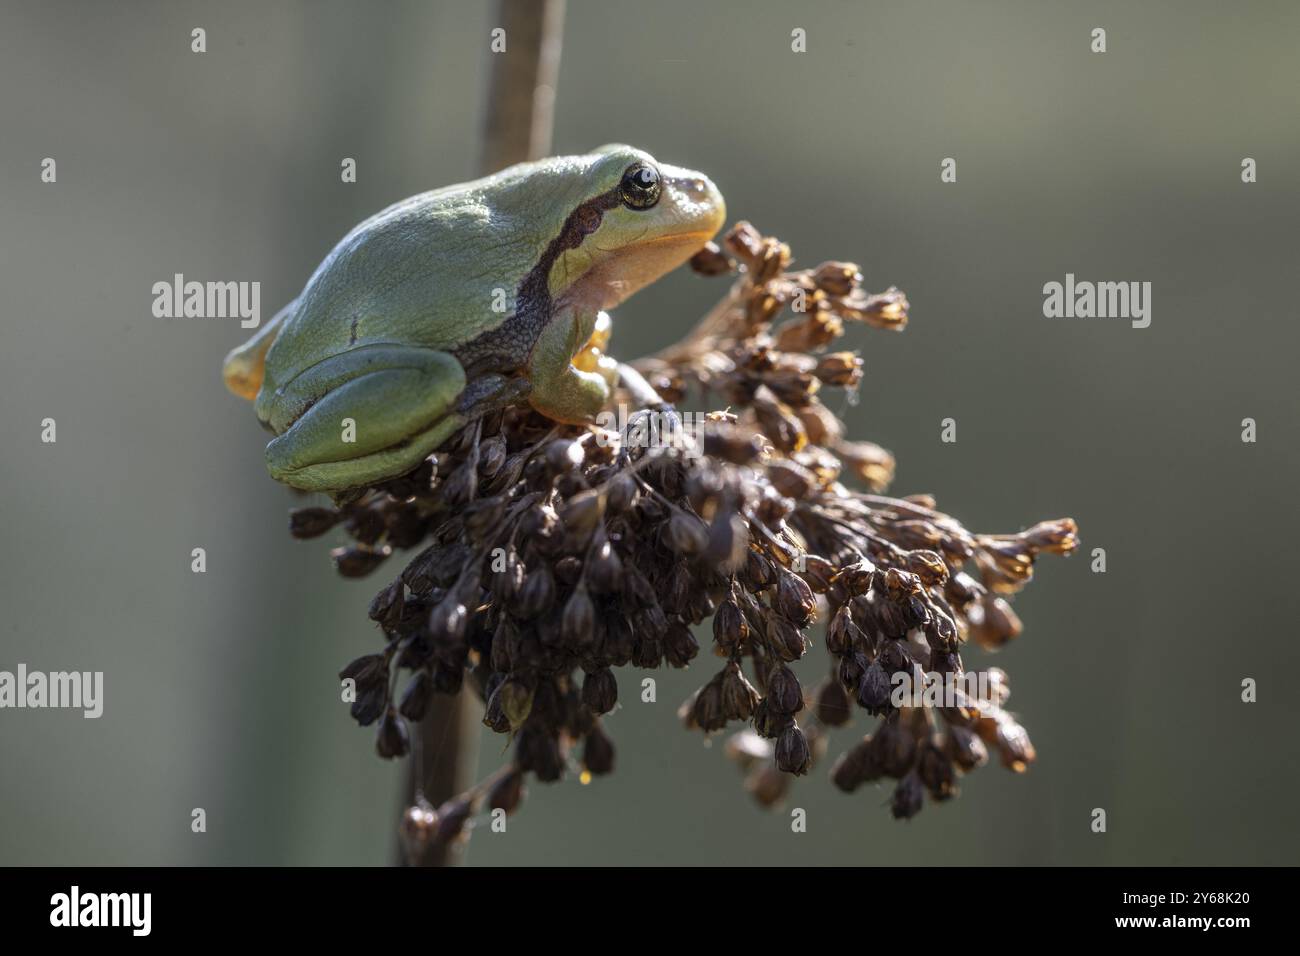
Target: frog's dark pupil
641 187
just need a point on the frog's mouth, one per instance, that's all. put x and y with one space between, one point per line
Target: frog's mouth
615 276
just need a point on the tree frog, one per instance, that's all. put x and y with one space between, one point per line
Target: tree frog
460 300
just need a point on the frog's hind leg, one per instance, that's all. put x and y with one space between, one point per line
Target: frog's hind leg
243 368
383 410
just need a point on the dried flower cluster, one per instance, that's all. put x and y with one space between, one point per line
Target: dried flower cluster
554 555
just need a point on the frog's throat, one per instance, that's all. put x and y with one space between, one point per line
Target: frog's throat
509 344
611 280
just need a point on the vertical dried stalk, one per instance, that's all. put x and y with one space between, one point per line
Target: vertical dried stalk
521 94
517 126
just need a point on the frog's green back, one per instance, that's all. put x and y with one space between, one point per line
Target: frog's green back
426 271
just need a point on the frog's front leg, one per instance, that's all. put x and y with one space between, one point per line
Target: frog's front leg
570 384
362 416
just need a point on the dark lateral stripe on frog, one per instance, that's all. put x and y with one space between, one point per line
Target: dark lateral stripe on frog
507 346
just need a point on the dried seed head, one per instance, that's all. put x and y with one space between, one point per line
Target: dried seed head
493 456
621 492
687 534
887 310
452 817
833 707
388 604
507 792
391 739
784 694
707 711
728 542
605 570
546 557
817 573
965 748
710 261
785 640
837 278
894 748
369 669
729 627
936 771
679 644
537 593
767 785
792 752
908 797
312 522
370 703
739 698
582 513
563 455
843 369
416 697
993 623
814 330
873 466
516 699
794 599
1013 744
358 561
448 622
578 622
873 690
1056 537
600 691
598 752
848 771
732 444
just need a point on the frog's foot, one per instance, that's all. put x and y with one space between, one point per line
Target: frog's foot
383 410
245 366
593 360
594 357
571 379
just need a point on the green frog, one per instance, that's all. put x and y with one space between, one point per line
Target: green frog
461 300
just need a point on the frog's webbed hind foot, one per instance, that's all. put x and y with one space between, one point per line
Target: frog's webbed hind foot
245 366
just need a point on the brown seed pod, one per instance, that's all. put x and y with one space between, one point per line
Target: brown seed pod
312 522
600 691
507 792
710 261
391 739
793 755
358 561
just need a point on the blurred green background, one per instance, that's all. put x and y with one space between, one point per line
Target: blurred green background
220 688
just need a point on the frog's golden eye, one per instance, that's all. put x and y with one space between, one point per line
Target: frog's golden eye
640 187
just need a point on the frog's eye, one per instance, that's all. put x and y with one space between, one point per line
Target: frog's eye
640 187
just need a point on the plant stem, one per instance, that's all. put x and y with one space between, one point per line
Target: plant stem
517 126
